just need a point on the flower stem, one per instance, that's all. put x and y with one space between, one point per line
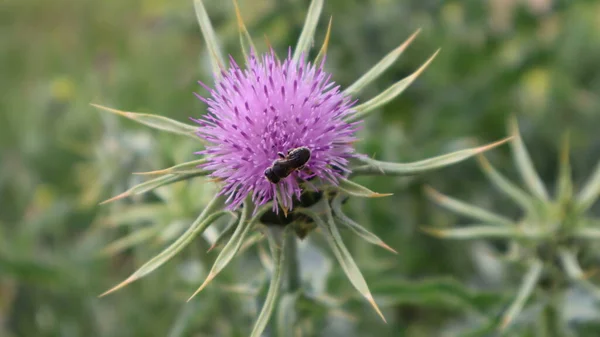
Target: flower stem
552 318
293 269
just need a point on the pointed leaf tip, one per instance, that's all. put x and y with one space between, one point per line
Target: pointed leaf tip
245 38
323 50
115 198
351 188
388 94
433 193
379 68
485 148
355 227
380 195
209 278
388 248
154 121
238 16
334 239
118 286
524 163
370 299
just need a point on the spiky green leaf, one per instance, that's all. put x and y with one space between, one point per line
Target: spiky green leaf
389 94
465 209
135 214
485 232
575 273
208 215
590 192
136 237
374 73
519 196
308 31
590 233
216 57
380 167
437 293
357 190
225 233
234 244
190 167
527 287
245 38
355 227
565 185
342 254
155 122
524 164
154 184
323 50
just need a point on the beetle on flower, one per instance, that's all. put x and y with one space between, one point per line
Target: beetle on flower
262 112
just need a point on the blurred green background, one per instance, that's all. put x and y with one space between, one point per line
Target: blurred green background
59 157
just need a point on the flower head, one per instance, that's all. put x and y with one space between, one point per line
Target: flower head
256 115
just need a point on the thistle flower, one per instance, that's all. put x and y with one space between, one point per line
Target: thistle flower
268 109
257 115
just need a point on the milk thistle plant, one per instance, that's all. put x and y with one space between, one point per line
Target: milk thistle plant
549 240
278 139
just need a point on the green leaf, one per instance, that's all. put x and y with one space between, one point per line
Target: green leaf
278 247
225 234
355 227
519 196
565 185
216 58
234 244
208 215
354 189
286 314
154 184
155 122
389 94
323 50
308 31
589 233
136 237
524 164
135 214
590 192
190 167
527 287
573 270
379 68
380 167
183 321
437 293
482 231
570 265
245 38
342 254
466 209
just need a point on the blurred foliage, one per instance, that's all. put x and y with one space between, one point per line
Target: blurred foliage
59 157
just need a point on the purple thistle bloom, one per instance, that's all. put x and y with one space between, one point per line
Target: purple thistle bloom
271 107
